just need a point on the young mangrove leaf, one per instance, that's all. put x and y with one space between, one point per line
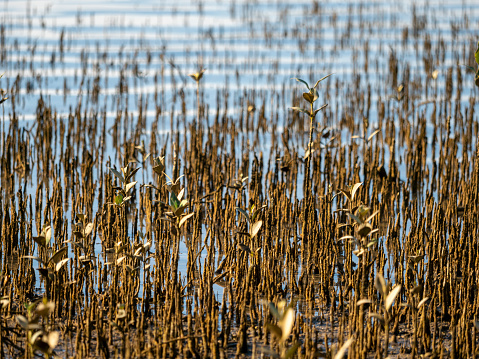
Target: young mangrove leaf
243 212
118 200
373 134
317 82
364 301
302 81
391 296
421 303
129 186
117 174
286 324
184 219
342 351
88 229
55 258
291 351
355 189
380 285
131 174
301 110
60 264
378 317
255 228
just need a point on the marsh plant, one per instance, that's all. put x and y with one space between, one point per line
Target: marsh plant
281 329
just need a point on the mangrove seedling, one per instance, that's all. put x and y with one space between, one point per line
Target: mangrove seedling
384 316
39 336
310 96
281 330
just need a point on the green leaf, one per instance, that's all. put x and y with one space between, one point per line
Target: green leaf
244 248
476 54
302 81
174 201
40 240
274 311
118 199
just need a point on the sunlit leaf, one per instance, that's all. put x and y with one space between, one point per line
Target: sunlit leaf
342 351
319 109
184 219
364 301
51 339
355 189
181 194
391 297
45 309
373 134
286 324
88 229
60 264
129 186
58 255
255 228
476 54
422 302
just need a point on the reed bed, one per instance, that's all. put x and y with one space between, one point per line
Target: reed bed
177 222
